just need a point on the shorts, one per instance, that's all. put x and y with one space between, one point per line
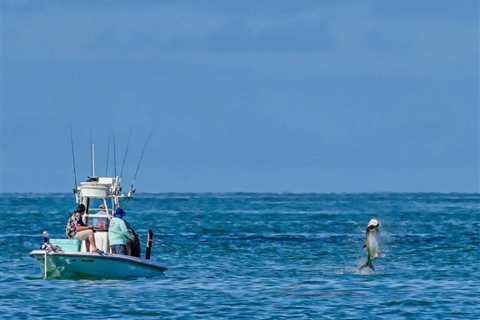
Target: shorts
119 249
83 235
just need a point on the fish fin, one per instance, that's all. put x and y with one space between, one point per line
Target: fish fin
370 264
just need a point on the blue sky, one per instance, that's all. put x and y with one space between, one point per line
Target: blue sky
279 96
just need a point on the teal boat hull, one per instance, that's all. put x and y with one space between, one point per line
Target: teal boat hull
95 266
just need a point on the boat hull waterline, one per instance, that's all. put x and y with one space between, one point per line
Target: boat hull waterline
94 265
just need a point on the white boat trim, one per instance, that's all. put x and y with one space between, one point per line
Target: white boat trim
120 257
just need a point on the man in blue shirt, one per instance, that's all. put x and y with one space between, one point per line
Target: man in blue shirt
118 234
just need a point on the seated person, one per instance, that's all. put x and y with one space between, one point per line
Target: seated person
100 219
118 233
77 229
101 209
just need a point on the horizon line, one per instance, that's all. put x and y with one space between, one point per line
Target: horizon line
259 192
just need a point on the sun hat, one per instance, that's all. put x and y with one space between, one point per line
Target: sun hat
119 213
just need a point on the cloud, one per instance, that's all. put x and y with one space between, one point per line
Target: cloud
339 39
67 33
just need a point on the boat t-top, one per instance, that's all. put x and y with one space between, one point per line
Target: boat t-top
70 258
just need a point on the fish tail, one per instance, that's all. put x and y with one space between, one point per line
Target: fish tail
370 265
367 264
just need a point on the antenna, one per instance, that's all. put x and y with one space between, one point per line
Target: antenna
73 160
114 157
93 160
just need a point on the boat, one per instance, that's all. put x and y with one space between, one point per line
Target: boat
70 258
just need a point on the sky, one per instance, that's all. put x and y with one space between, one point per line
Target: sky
242 96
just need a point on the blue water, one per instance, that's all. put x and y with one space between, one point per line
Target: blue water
260 256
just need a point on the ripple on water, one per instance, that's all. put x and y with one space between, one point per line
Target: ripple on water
261 256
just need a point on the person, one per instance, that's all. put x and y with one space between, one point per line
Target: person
77 229
101 209
118 233
100 223
133 246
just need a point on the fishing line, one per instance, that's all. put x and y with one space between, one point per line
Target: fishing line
141 157
126 152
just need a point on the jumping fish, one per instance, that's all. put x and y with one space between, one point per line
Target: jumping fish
371 243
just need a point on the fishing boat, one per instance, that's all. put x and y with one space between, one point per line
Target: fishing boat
70 258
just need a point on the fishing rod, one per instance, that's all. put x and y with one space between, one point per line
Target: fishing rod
73 161
132 190
108 156
126 152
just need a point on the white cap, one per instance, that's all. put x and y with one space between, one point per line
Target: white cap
373 223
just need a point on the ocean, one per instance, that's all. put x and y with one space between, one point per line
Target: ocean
260 256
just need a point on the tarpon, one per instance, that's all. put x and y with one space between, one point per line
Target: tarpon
371 243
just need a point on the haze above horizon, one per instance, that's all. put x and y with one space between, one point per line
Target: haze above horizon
268 96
